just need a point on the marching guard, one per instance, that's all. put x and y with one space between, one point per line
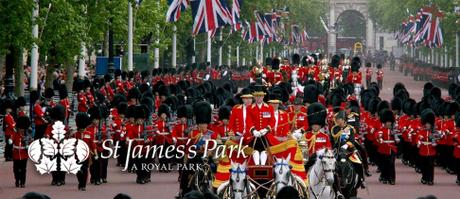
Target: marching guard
9 127
20 141
82 121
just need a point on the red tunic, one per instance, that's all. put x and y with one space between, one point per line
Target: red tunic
65 102
82 102
387 143
379 74
220 129
39 115
10 125
317 142
88 138
426 146
456 142
354 78
368 74
19 147
178 133
238 122
162 127
274 77
281 128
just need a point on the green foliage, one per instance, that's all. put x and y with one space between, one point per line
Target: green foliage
16 24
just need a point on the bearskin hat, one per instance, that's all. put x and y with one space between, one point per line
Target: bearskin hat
398 86
82 120
124 75
8 104
23 122
49 93
144 87
368 64
164 109
316 114
34 96
374 87
145 74
183 85
224 112
436 92
80 85
117 99
296 59
268 61
57 113
409 107
451 89
63 92
202 111
386 115
274 96
335 61
457 119
373 105
134 93
130 111
95 113
117 72
122 108
383 105
172 102
355 64
379 66
427 88
310 94
148 103
107 78
20 101
164 91
184 111
139 112
428 116
396 104
275 64
451 108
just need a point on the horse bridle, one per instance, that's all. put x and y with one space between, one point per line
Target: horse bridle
238 171
287 176
323 176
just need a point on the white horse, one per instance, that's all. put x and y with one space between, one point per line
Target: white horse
284 177
239 186
321 176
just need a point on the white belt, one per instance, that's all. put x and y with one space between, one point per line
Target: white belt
427 143
18 147
388 141
139 139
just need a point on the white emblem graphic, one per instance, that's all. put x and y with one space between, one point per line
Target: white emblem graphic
58 153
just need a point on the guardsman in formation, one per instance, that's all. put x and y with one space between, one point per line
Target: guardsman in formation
82 121
20 141
221 127
119 127
95 128
38 114
9 127
368 74
163 135
380 76
20 103
274 76
426 141
81 96
57 113
387 147
316 137
64 101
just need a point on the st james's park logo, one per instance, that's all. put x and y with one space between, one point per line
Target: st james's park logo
58 153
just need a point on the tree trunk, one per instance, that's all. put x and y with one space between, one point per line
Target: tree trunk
12 59
105 46
19 76
70 68
50 68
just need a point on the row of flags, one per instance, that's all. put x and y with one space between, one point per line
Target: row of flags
423 29
211 15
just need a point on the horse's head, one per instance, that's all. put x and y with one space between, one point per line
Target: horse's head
344 167
282 171
327 160
238 180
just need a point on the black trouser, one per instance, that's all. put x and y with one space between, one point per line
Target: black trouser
413 157
380 83
8 153
82 175
39 131
104 163
368 83
95 170
142 171
19 169
164 161
371 152
122 151
440 159
387 169
427 167
450 158
58 176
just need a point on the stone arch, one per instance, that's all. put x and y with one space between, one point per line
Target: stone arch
337 7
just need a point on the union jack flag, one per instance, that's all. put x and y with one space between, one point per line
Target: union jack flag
236 9
209 15
176 7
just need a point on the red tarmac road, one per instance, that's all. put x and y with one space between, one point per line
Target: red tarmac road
165 186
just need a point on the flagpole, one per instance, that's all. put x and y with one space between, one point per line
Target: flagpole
34 56
130 37
220 48
261 52
209 49
81 61
194 46
229 61
174 47
257 54
457 49
237 56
